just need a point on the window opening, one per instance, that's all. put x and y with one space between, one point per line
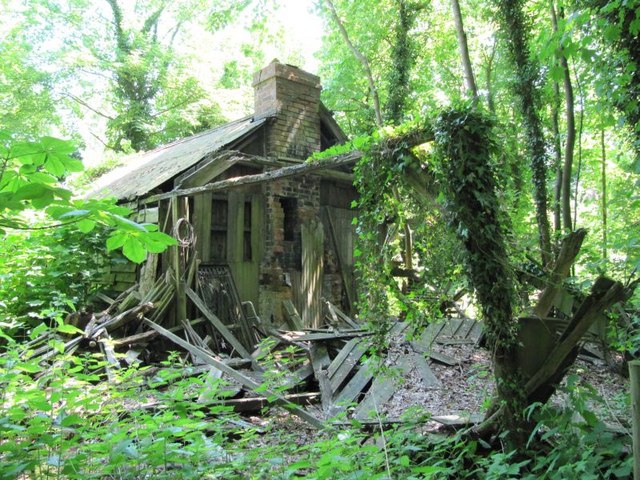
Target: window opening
289 207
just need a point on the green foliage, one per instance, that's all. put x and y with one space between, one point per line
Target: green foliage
60 423
30 174
464 152
579 443
57 273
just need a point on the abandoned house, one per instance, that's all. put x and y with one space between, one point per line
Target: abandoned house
276 243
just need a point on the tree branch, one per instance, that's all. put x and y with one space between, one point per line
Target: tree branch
86 105
363 61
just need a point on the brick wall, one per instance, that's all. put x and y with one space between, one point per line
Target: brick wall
297 196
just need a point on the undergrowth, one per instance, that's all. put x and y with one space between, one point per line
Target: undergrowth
65 421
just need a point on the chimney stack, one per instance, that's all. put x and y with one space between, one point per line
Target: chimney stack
292 97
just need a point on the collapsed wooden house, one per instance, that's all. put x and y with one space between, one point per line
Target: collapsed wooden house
276 244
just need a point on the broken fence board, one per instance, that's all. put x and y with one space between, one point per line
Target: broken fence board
298 376
442 358
242 379
437 356
476 332
427 337
355 386
454 341
342 354
458 420
382 389
465 328
347 366
217 323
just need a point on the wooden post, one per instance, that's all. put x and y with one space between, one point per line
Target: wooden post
634 376
181 298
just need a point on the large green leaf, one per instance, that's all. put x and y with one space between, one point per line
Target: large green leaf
134 250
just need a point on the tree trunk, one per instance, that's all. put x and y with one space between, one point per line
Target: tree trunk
469 79
514 28
571 131
557 153
402 58
603 180
488 80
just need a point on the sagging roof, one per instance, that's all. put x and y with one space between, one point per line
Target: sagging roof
144 172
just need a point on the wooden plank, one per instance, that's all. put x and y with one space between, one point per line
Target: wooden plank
353 388
423 368
224 331
458 420
105 298
442 358
437 356
315 337
202 224
289 340
333 316
320 361
426 338
291 315
450 328
134 339
347 366
239 377
465 328
382 389
344 317
298 376
454 341
476 332
346 282
312 272
342 354
338 316
256 404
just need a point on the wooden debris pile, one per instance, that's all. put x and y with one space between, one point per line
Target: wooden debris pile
291 367
324 370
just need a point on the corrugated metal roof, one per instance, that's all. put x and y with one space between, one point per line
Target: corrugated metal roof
144 172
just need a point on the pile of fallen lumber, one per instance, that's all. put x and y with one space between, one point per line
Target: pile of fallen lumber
326 367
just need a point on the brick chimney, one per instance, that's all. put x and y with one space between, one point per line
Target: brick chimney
292 96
